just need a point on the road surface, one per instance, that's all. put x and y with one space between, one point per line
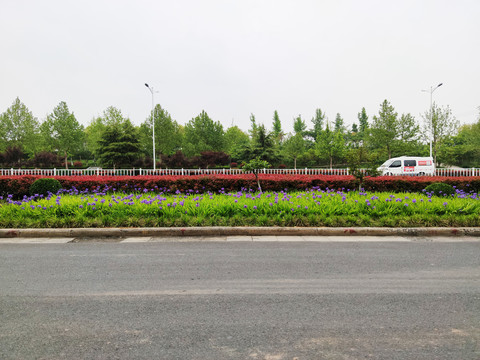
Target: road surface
241 300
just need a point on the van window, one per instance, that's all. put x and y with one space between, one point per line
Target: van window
410 162
396 163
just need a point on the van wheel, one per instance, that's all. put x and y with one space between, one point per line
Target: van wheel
421 174
388 174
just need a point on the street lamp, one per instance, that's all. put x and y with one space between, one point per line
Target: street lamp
432 89
153 125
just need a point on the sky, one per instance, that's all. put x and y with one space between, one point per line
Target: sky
233 58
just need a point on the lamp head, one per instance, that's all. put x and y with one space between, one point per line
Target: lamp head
147 85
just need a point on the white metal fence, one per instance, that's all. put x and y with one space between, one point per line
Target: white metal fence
188 172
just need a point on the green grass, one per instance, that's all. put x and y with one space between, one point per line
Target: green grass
306 208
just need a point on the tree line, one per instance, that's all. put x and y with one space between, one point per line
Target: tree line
112 141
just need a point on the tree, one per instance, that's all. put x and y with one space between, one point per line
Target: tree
339 126
119 145
360 165
293 147
439 124
235 141
262 147
253 126
18 127
363 121
254 166
168 138
384 127
93 135
62 132
408 134
202 134
94 131
318 122
13 156
299 125
277 128
462 149
112 116
330 145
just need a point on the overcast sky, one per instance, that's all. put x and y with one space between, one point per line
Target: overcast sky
232 58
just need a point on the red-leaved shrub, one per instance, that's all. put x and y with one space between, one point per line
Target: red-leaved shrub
19 185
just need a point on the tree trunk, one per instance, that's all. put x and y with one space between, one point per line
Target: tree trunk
66 160
255 172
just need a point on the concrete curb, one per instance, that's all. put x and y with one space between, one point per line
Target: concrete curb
236 231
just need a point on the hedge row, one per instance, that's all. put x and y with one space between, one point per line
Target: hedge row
18 186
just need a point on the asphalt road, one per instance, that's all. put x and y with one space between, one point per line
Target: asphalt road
240 300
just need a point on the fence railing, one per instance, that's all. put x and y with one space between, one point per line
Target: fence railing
189 172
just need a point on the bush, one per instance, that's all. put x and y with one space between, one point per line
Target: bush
18 186
440 189
44 186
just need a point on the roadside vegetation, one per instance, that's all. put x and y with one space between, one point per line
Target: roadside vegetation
112 140
312 207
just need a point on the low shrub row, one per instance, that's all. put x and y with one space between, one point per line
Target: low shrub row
18 186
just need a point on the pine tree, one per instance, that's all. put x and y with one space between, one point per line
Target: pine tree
318 121
277 127
119 146
339 126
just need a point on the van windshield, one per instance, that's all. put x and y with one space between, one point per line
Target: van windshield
387 163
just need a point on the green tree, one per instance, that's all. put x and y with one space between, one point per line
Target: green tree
262 147
330 145
62 132
254 166
203 134
168 139
119 145
112 120
339 124
384 128
363 121
93 134
235 141
253 126
439 125
277 128
408 135
18 127
462 149
112 116
318 122
299 125
293 147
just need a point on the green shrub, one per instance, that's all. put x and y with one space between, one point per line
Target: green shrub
440 189
44 186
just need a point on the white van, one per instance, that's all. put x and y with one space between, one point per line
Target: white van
408 165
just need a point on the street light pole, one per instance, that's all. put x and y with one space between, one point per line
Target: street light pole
153 125
432 89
